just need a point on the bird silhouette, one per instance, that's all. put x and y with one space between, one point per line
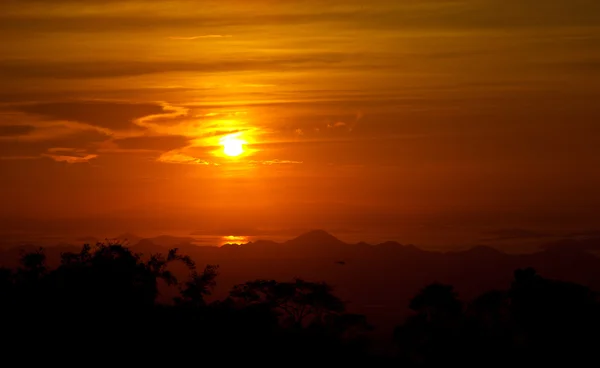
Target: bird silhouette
341 263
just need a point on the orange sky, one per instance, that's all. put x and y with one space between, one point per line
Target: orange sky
371 107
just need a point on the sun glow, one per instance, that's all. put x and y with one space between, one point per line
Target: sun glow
232 145
234 239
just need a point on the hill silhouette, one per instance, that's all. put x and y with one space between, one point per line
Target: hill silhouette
315 238
155 300
369 271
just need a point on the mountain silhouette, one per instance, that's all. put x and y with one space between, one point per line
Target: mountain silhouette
574 245
127 238
480 251
147 247
258 244
315 238
88 240
171 241
386 274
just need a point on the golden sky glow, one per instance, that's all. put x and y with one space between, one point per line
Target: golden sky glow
373 107
234 239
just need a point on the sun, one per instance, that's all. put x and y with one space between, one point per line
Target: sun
232 146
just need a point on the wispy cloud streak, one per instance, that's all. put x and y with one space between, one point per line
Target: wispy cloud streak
190 38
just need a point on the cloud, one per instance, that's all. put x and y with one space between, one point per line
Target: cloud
15 130
170 115
11 69
81 93
247 231
219 133
258 85
156 143
69 155
513 234
181 158
77 139
11 158
221 113
381 14
198 37
586 66
276 162
91 23
71 159
103 114
339 124
65 149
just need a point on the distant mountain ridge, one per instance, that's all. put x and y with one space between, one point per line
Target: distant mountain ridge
386 274
315 237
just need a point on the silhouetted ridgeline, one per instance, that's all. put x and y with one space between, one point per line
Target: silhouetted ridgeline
364 274
162 306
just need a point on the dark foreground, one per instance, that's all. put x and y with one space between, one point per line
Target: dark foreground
100 305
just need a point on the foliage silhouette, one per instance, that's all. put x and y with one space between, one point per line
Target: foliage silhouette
299 302
107 293
536 321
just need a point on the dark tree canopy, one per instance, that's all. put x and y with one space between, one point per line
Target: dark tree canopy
108 293
108 296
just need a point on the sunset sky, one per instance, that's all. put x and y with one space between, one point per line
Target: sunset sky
352 112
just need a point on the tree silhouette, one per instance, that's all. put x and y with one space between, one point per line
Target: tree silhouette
194 291
433 334
490 329
108 276
107 295
298 303
491 307
437 303
553 316
33 264
310 321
